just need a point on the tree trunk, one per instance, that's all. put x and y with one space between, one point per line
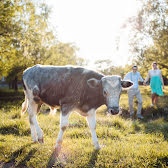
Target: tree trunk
15 83
10 85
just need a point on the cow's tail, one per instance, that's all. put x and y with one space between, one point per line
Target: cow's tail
25 103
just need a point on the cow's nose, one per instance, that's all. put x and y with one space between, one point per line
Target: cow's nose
113 110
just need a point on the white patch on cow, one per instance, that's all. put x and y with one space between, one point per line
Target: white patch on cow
114 83
91 119
85 71
113 101
112 90
53 110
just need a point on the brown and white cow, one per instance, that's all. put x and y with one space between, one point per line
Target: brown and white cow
71 88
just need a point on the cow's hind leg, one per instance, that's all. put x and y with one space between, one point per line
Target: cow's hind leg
24 104
53 110
36 132
63 125
91 119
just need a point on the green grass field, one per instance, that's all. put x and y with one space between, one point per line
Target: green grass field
125 142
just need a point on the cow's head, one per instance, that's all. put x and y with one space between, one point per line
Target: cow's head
111 90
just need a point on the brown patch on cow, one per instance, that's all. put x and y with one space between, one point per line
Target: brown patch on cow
38 108
41 140
36 99
63 128
36 91
85 107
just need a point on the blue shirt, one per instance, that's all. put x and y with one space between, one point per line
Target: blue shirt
134 77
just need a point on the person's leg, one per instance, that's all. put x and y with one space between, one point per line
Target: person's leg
156 99
139 98
130 100
153 97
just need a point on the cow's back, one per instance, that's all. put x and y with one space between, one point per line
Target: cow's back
61 83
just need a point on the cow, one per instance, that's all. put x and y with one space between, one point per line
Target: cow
71 88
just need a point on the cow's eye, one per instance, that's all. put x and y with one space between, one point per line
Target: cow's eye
104 93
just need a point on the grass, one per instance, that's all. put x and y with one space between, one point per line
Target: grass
125 142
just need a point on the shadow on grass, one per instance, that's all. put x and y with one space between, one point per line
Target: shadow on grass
155 121
155 112
152 124
162 160
156 127
93 159
14 129
159 162
149 113
136 127
54 162
7 104
18 152
27 158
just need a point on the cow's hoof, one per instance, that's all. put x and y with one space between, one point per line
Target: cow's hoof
35 142
97 146
57 150
41 140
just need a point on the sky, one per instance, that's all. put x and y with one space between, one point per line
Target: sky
94 26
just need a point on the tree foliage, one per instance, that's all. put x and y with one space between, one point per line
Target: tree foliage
149 38
107 68
26 40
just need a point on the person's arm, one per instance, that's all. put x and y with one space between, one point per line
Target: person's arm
127 76
140 77
161 79
147 78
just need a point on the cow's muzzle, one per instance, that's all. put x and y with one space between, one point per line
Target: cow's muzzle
113 110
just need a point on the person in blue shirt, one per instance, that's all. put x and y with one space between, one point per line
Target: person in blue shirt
134 91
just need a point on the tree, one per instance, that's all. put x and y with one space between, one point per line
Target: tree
26 40
107 68
9 30
149 36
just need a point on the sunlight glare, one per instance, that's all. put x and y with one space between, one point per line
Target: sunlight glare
93 26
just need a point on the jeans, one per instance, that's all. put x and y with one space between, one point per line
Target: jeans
131 93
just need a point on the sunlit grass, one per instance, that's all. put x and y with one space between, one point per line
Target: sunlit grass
125 142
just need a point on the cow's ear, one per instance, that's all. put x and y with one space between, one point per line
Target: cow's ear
93 83
126 84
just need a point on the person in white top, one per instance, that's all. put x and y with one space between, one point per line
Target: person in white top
134 76
156 82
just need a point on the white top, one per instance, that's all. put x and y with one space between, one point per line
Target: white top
134 77
154 72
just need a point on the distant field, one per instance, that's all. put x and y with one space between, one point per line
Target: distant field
125 142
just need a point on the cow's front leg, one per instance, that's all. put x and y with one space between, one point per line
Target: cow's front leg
91 119
63 125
